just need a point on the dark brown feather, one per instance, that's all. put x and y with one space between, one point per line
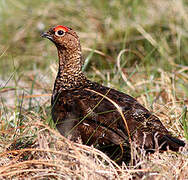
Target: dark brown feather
80 112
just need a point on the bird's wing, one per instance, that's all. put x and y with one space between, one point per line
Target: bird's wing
97 107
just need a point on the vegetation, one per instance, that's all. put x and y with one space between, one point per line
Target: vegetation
138 47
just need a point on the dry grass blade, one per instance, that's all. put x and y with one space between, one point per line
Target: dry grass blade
4 51
36 95
99 52
122 115
146 35
119 65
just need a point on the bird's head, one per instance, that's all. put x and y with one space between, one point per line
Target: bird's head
63 37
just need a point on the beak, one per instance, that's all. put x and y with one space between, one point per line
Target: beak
46 35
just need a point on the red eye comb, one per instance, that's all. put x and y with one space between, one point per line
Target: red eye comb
64 28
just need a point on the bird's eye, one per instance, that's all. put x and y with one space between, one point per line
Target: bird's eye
59 33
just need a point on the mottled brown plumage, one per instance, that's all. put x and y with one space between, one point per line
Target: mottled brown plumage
80 112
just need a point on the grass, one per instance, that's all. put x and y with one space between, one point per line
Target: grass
137 47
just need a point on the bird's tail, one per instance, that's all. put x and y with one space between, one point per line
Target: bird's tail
166 141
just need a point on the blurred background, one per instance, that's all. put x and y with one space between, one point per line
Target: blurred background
155 30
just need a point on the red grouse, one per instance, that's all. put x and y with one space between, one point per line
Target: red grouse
85 109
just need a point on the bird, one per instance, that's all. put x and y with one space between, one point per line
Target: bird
97 115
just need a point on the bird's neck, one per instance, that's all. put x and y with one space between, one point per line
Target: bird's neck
70 73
